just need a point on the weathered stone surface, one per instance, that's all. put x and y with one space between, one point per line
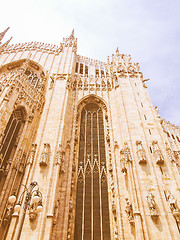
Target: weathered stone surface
53 84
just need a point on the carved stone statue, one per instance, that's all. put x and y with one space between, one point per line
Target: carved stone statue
172 202
44 159
157 153
129 210
123 161
151 201
141 153
152 204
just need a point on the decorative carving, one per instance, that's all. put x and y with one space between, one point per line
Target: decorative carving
31 117
127 153
28 84
123 161
157 153
44 159
58 157
32 46
32 211
141 153
91 83
172 202
152 205
59 160
129 211
173 205
32 153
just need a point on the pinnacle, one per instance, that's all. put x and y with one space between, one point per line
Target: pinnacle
117 51
4 45
72 34
3 33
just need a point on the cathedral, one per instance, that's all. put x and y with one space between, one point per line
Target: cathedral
84 154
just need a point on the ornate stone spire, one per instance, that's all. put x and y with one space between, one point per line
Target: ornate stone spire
71 41
3 46
72 35
3 34
117 51
1 37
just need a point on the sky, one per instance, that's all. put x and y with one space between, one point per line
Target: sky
148 30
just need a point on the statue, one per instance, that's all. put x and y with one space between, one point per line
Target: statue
152 205
45 155
129 211
172 202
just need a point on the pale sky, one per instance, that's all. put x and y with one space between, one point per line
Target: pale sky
148 30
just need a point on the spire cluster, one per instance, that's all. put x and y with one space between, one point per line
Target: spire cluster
2 34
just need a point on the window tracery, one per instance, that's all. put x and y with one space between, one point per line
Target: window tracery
92 208
11 134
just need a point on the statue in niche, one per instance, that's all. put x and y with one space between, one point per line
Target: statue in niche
129 211
123 162
141 153
172 202
157 153
44 159
152 204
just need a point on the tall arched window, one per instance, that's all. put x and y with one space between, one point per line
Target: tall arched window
92 208
10 135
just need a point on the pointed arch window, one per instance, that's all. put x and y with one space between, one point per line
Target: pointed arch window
11 134
92 208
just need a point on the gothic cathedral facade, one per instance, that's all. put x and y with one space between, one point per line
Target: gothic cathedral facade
84 155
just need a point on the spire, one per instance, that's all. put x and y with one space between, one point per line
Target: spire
117 51
72 35
3 33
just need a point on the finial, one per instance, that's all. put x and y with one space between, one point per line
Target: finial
72 34
3 33
117 51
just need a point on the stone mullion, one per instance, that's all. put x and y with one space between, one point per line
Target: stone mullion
8 182
87 199
99 159
84 182
7 132
12 135
92 176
